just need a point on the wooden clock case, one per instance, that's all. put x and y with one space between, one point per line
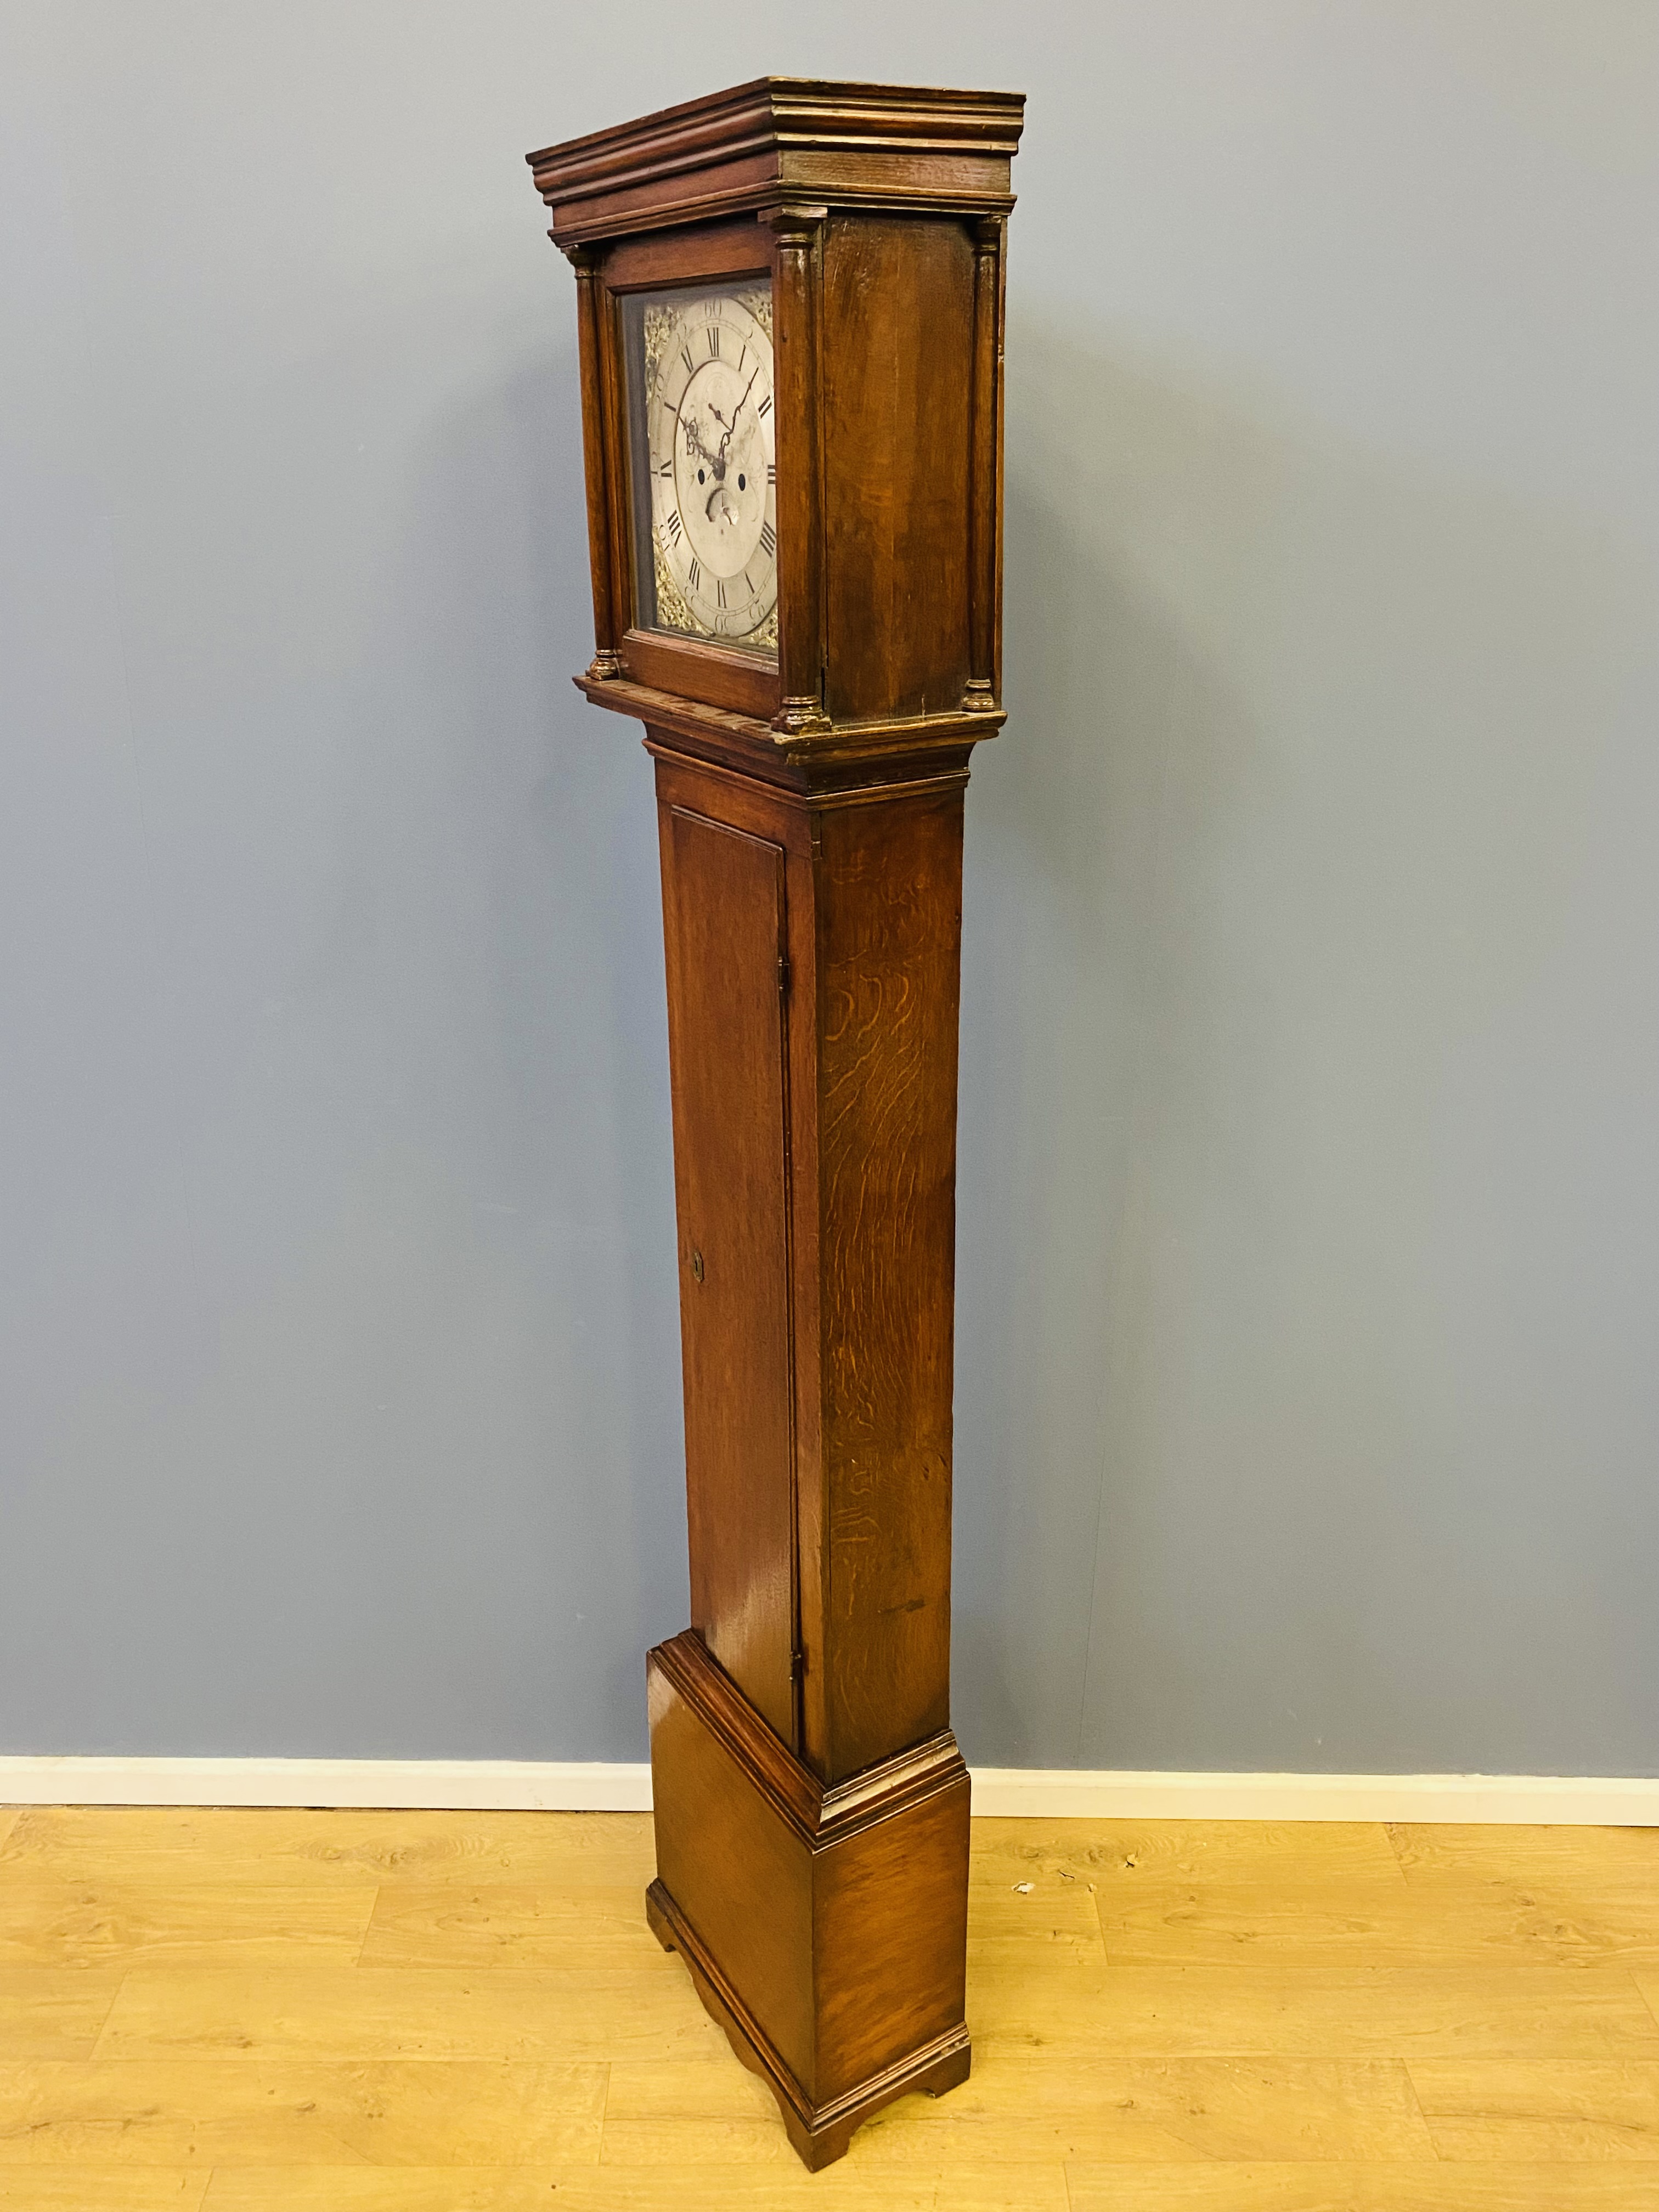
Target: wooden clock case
811 1805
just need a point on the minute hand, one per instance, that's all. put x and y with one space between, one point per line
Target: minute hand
730 427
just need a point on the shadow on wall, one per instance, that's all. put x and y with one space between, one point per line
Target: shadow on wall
1308 933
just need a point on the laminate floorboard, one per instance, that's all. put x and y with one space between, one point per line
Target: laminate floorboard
464 2012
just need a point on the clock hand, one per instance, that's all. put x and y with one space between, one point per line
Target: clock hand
729 426
694 437
720 464
744 402
716 461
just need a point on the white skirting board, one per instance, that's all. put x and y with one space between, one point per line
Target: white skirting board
1057 1793
1062 1793
465 1785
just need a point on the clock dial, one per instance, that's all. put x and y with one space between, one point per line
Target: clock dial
713 469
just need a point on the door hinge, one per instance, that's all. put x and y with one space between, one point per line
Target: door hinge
797 1665
783 973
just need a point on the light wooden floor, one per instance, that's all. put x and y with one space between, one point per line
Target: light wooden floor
341 2012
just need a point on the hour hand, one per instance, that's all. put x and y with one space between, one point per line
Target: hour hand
693 438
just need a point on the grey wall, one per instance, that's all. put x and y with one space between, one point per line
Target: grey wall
1310 1212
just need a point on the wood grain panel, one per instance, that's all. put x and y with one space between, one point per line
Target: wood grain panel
1572 1857
53 2012
898 348
687 2090
370 2189
511 1925
993 2188
738 1872
114 1923
1539 2110
194 2113
889 915
726 249
722 676
1552 1891
1033 2109
112 2189
683 2141
1281 1854
725 935
1460 1921
184 1847
1157 2112
389 2012
1161 2084
1359 2012
891 1978
1024 1921
692 2149
1394 2187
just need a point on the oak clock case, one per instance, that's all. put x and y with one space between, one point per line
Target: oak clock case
790 313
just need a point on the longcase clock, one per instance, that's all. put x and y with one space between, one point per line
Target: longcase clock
790 302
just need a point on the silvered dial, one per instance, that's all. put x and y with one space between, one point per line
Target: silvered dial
713 466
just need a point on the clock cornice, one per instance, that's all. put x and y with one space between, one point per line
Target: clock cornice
762 146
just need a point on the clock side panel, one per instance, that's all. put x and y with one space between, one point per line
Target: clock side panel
888 956
898 327
725 915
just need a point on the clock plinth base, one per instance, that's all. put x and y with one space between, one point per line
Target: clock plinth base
819 2135
824 1929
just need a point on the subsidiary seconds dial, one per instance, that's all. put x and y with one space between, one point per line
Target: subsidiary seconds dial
713 467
